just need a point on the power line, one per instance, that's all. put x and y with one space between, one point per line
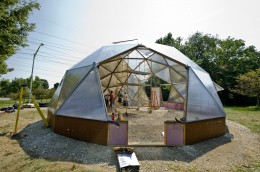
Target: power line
60 52
58 47
28 71
44 52
50 61
62 38
38 67
55 44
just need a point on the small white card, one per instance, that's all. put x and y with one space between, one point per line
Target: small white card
127 160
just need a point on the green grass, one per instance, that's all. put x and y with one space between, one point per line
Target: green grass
7 103
247 116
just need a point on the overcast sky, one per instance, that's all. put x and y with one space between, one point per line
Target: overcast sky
72 29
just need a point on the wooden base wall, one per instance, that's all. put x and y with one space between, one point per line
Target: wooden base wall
81 129
203 130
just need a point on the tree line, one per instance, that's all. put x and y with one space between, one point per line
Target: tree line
40 88
227 61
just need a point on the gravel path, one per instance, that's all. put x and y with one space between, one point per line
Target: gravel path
235 148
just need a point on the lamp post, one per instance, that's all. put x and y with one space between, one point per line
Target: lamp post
33 68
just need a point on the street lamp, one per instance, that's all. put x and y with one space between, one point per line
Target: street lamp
33 68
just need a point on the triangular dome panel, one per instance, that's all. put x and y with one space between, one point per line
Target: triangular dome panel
71 81
174 96
55 97
104 53
157 58
86 101
164 75
201 104
206 80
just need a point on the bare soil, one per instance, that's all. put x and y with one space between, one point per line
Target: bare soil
37 146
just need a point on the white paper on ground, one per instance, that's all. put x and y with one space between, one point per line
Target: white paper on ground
127 160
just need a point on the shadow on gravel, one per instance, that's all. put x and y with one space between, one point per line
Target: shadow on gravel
40 142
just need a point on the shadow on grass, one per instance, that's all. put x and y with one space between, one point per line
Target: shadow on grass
40 142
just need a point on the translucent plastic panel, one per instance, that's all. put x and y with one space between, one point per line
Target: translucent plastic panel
88 60
143 67
113 50
157 58
71 81
132 90
105 92
103 72
156 67
122 77
218 87
111 65
145 53
201 105
173 53
176 77
105 81
181 70
114 81
164 75
171 62
123 66
86 101
206 80
140 98
181 88
55 97
133 79
175 96
134 64
135 54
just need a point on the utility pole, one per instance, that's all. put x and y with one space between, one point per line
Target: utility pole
33 68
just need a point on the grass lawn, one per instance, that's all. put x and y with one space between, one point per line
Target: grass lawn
10 102
13 158
249 117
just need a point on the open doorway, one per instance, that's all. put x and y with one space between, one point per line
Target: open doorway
143 85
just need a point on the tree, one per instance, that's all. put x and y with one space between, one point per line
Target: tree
45 84
4 87
223 59
14 28
41 93
249 85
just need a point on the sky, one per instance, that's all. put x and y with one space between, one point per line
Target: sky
72 29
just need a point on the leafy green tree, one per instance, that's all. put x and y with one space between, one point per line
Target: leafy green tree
4 87
14 96
41 93
51 92
249 85
223 59
14 28
45 84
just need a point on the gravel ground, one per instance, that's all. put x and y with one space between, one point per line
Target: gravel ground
238 147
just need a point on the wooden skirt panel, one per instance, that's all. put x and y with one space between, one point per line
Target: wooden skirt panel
203 130
82 129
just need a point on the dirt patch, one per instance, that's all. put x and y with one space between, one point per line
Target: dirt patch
238 147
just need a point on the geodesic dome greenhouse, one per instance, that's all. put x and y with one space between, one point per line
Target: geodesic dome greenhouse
127 67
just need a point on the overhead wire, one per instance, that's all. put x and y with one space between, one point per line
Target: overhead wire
25 53
40 41
37 67
62 38
51 61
